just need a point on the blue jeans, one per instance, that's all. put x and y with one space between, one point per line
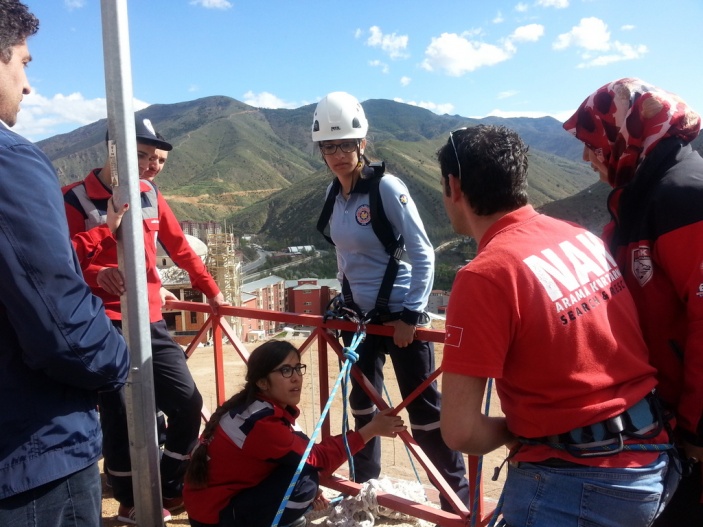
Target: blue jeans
579 496
71 501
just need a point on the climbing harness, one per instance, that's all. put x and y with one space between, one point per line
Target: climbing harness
645 420
393 245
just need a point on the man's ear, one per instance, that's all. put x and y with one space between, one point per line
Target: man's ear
262 384
454 184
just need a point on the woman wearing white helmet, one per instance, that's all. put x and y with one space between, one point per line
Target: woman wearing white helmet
354 219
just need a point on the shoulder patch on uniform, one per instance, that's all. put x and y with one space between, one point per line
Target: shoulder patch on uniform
403 199
363 214
642 264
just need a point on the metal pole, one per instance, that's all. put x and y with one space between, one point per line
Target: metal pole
139 390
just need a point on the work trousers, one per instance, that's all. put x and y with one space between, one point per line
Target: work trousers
257 506
177 397
412 365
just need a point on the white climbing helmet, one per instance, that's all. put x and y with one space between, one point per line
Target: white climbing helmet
339 116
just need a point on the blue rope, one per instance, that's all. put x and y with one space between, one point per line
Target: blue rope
407 450
346 380
496 512
604 449
351 357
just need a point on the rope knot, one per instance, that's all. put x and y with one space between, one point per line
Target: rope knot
351 355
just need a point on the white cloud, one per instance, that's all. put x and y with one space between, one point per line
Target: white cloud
394 45
440 109
528 33
620 52
506 94
358 33
498 18
591 34
593 37
456 55
212 4
267 100
73 4
559 4
404 81
521 7
42 117
627 27
193 88
379 64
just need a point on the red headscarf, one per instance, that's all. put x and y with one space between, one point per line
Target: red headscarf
624 120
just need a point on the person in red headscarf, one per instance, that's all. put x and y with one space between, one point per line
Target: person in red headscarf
638 136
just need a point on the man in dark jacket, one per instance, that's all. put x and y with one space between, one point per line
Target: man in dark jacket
57 346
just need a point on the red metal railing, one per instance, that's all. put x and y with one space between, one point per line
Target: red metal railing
460 517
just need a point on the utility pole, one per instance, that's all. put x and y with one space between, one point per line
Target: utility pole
139 390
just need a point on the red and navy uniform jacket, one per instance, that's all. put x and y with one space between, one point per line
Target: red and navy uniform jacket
97 247
248 445
657 238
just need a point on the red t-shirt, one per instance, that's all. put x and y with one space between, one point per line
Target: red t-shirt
544 310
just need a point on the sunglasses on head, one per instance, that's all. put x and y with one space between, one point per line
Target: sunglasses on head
456 153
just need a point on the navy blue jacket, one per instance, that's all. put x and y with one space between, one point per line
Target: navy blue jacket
57 346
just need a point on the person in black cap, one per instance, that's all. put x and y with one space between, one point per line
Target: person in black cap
86 204
151 161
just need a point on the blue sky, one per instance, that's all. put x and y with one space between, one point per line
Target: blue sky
468 57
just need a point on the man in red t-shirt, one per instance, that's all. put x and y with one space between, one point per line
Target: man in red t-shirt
544 310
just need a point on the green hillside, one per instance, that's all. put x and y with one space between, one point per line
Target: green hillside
289 216
258 170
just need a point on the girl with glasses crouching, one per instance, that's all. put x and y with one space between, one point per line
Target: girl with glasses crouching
249 450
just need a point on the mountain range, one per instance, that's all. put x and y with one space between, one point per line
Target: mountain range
258 171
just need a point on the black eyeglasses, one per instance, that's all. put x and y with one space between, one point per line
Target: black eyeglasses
456 153
347 147
287 371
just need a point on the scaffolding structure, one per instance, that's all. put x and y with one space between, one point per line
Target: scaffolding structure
226 269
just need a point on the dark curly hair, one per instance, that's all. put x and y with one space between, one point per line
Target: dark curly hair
493 167
16 25
262 361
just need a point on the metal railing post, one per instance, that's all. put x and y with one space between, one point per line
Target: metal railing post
139 390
